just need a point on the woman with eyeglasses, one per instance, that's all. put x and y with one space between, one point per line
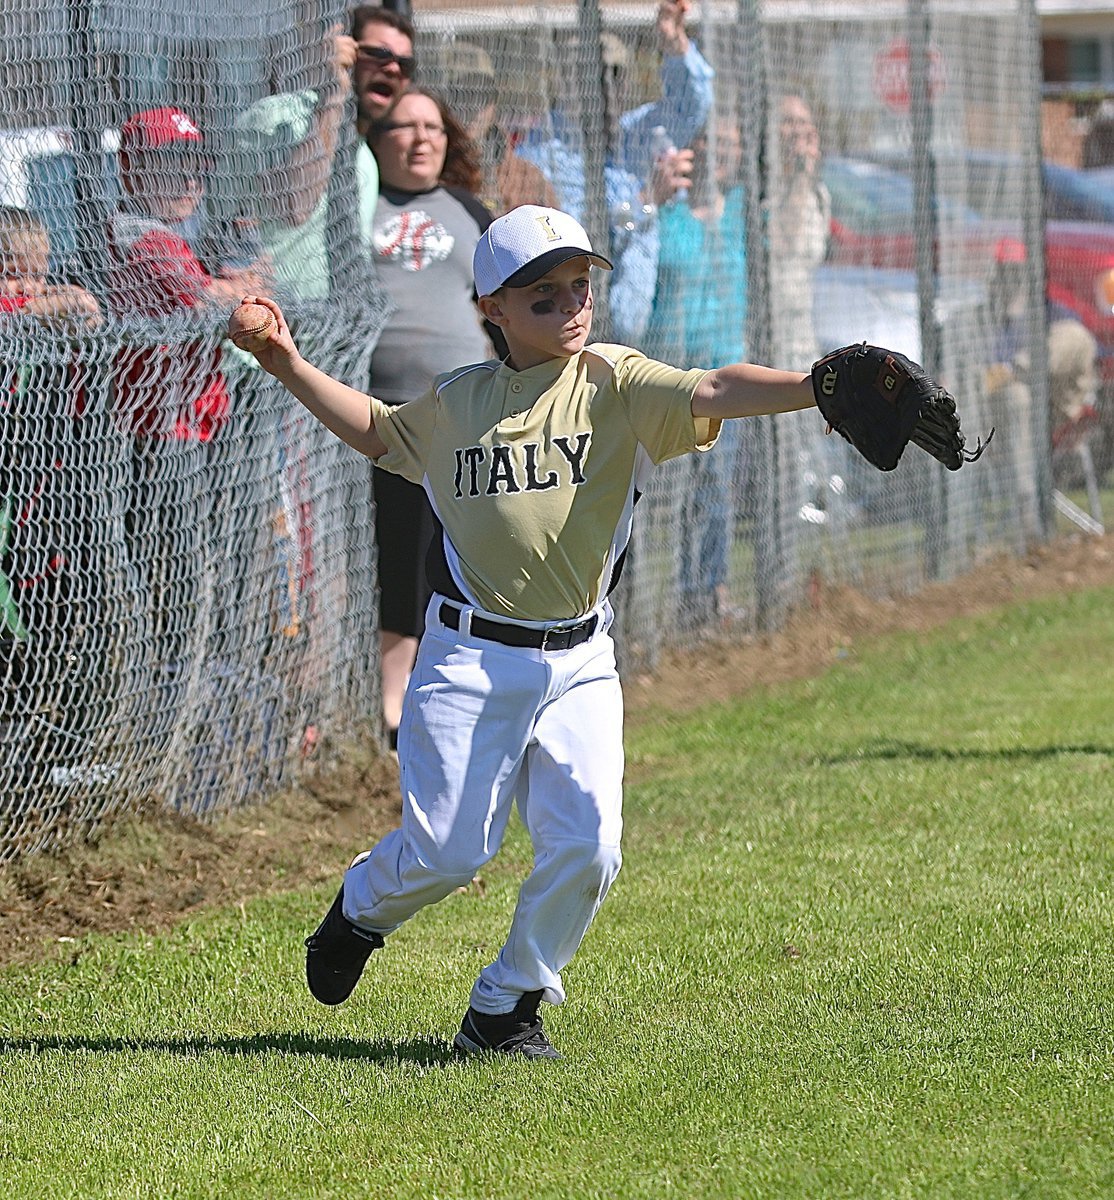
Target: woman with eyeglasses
427 224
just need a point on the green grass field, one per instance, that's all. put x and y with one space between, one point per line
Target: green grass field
861 947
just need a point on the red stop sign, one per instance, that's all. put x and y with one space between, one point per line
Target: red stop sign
892 75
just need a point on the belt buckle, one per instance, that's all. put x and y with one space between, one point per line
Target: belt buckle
567 630
555 629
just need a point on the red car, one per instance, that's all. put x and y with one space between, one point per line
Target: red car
873 216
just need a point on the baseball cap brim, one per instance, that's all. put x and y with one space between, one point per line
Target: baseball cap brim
543 264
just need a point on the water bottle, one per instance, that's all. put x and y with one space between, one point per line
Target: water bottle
661 143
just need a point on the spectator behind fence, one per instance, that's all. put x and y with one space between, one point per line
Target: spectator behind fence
289 141
811 469
294 136
699 316
472 94
38 404
700 302
642 141
427 226
1077 435
171 396
167 391
798 224
26 289
385 63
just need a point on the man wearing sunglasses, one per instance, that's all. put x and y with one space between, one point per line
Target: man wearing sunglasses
384 61
291 139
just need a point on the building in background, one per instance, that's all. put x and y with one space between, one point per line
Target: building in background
1077 53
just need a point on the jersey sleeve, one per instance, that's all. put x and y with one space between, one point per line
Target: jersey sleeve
407 429
658 401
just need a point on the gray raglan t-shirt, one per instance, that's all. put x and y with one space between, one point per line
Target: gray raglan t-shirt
423 246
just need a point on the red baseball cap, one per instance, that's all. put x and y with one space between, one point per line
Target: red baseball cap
157 128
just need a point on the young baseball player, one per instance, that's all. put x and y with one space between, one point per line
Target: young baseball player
531 466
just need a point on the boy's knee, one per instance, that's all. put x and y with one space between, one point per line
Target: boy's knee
453 867
592 863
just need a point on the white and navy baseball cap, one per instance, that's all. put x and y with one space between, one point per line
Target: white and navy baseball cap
523 245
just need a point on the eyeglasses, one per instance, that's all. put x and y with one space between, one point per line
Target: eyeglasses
417 128
382 57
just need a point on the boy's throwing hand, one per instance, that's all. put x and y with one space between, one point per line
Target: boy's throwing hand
273 348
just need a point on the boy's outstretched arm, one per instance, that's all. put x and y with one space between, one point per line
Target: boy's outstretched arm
748 390
340 408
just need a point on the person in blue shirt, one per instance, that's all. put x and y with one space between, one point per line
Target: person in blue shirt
699 315
700 301
634 157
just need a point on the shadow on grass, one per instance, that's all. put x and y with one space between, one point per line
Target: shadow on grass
426 1052
892 750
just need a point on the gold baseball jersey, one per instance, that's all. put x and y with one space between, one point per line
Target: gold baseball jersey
532 473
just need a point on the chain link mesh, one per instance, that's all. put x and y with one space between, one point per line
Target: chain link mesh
188 573
188 587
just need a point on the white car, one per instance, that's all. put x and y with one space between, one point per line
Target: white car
880 305
38 172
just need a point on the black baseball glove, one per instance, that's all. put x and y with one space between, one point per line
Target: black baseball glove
880 401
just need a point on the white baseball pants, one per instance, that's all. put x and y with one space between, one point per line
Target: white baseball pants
483 725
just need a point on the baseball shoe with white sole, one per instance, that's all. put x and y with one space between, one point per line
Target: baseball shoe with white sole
516 1032
336 953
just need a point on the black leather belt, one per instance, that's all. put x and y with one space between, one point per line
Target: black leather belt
562 637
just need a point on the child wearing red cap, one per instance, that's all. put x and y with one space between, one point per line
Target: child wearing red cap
167 392
170 394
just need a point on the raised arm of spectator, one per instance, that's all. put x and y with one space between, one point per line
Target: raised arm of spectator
686 94
634 248
295 185
67 303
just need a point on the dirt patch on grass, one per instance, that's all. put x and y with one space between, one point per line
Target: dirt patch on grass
150 870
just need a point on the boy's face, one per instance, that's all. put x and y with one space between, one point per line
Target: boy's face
24 262
167 182
550 318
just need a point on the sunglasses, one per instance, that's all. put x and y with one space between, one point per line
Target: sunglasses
382 57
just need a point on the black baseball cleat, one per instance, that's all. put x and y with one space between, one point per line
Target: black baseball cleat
516 1032
336 953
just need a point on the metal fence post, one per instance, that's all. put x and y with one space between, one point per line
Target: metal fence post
926 235
86 99
1029 115
764 464
593 115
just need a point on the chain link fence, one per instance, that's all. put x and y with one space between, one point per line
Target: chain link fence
188 587
862 171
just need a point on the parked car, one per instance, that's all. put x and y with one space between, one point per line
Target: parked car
1101 177
38 172
1071 195
873 215
880 305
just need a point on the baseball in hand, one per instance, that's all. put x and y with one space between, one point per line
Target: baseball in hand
250 327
